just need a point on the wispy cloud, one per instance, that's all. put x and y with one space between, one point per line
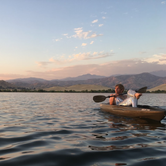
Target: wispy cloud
91 42
43 64
157 58
74 58
79 33
56 40
84 35
129 66
100 25
84 44
163 2
94 21
89 56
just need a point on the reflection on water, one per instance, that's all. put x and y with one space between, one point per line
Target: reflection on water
123 125
70 129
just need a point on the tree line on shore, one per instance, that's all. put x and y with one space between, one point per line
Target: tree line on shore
53 91
71 91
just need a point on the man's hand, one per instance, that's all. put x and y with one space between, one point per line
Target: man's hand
137 95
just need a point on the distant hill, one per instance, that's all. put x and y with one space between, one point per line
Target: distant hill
31 82
83 77
134 81
82 87
160 87
27 80
160 73
6 85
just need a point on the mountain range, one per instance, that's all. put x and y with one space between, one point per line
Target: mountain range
160 73
82 77
129 81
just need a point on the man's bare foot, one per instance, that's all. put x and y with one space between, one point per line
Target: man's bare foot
137 95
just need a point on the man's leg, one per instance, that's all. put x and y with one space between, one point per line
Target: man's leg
129 101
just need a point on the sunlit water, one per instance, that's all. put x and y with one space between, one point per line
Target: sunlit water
56 129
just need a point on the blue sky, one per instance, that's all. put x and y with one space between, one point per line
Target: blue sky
54 39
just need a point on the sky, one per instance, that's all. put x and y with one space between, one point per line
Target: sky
55 39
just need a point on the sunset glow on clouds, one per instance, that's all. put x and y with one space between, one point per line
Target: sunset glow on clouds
131 66
75 58
51 42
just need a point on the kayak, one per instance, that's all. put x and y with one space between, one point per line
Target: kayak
142 111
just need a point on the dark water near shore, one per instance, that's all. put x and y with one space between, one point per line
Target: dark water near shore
62 129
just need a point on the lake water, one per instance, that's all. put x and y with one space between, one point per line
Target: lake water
69 129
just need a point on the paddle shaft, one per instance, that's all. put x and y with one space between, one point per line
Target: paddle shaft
100 98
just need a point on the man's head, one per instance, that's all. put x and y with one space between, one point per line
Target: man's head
119 89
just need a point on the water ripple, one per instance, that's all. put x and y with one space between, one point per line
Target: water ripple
49 129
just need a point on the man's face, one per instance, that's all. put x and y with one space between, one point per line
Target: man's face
118 90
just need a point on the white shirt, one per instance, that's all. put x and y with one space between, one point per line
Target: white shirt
118 100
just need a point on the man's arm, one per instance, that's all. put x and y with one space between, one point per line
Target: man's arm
112 101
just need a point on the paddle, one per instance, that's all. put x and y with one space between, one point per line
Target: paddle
100 98
142 90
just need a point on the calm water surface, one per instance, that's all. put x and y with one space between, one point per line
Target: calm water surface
56 129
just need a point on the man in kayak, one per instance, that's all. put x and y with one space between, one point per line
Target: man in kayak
121 99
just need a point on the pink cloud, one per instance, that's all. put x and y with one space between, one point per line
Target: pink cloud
74 58
131 66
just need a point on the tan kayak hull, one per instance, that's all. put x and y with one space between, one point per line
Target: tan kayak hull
145 112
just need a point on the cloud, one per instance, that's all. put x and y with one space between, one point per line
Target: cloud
103 18
159 59
79 33
163 2
95 35
130 66
91 42
56 40
84 44
94 21
100 25
84 35
43 64
74 58
89 56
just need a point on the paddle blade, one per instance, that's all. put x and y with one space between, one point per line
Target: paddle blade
142 90
99 98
